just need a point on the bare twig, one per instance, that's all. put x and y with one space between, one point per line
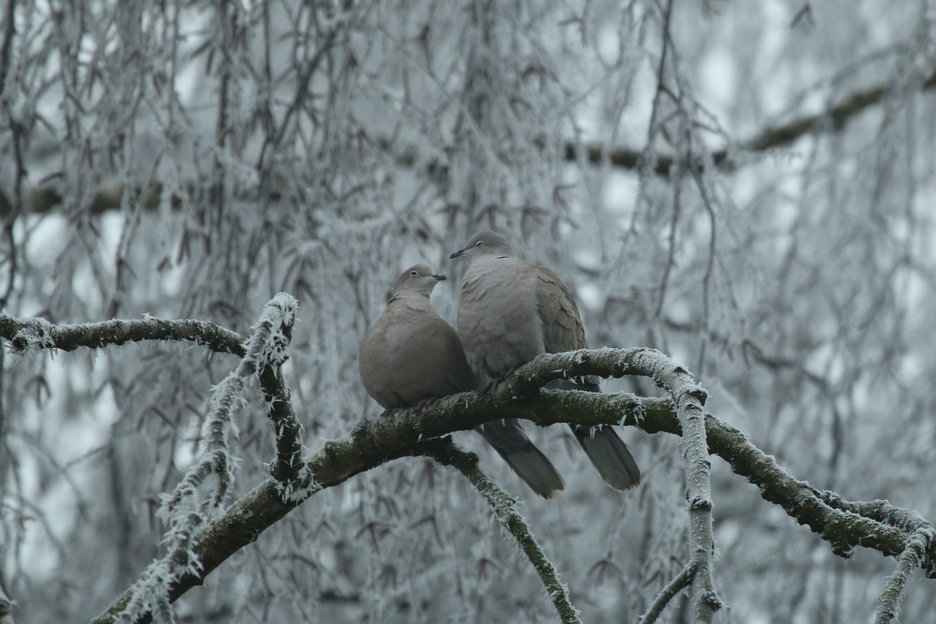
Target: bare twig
445 452
17 208
648 159
9 33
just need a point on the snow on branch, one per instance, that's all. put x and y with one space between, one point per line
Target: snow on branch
768 139
918 545
393 435
265 353
37 333
215 456
688 398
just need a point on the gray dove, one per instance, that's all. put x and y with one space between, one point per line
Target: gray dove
509 312
412 356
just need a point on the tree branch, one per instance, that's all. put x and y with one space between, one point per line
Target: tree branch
770 138
444 451
37 333
266 353
679 582
913 555
43 199
373 442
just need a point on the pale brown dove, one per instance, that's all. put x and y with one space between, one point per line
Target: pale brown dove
509 312
412 356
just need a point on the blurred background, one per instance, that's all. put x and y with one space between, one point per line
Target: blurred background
748 187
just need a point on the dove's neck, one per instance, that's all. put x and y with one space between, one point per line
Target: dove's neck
409 298
491 257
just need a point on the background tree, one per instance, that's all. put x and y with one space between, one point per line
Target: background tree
746 188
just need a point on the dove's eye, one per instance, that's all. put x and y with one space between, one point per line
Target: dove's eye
414 274
479 244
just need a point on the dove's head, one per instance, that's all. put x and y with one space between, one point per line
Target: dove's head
486 243
418 278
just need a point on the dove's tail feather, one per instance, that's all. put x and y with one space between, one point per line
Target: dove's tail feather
609 455
509 440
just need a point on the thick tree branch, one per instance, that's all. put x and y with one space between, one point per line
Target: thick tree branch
505 508
844 524
374 442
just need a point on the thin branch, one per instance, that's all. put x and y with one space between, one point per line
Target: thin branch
648 159
226 401
37 333
5 55
504 505
917 546
680 582
266 352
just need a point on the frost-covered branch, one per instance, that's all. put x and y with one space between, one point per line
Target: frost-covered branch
881 511
663 165
919 544
843 524
265 353
374 442
688 397
215 457
679 582
504 505
25 334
